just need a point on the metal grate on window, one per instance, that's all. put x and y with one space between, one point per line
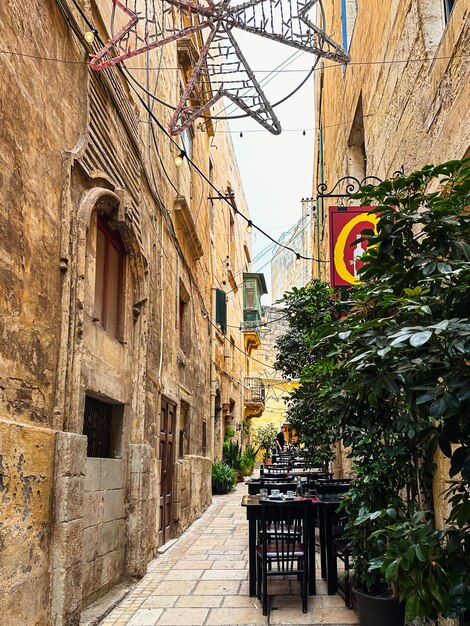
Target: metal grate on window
204 435
97 426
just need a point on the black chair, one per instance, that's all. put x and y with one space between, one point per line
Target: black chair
275 471
280 552
341 552
332 486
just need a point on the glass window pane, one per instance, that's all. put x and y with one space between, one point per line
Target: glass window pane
99 276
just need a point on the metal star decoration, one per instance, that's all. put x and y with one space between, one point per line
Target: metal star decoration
221 69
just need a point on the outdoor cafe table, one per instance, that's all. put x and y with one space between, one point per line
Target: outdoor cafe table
253 515
254 486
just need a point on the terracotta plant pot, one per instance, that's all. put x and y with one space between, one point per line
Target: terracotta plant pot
376 610
268 461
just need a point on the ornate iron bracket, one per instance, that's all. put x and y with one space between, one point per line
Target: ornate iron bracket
346 186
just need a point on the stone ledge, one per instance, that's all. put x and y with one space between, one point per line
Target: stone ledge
97 611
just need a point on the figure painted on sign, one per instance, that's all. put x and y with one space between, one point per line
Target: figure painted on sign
357 256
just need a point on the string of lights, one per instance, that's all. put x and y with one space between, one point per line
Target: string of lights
170 228
220 195
260 71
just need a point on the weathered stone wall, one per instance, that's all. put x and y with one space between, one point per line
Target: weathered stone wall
104 534
26 494
286 270
415 107
41 112
74 143
414 111
276 325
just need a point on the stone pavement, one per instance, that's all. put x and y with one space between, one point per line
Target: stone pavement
202 580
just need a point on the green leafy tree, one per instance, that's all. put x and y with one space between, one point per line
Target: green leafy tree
265 437
387 369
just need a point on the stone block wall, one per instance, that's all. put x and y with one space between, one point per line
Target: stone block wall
138 509
192 476
68 523
415 111
104 526
69 478
26 483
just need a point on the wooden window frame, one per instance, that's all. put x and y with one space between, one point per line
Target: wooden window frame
113 238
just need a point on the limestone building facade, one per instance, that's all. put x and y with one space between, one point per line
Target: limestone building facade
287 270
402 102
277 388
120 311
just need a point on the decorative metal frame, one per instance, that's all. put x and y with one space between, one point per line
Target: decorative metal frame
351 185
286 21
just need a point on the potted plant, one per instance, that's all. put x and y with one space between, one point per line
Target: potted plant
229 433
223 478
232 456
429 568
248 460
379 477
265 438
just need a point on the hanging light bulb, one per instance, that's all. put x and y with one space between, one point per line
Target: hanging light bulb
90 35
180 158
249 226
297 258
241 134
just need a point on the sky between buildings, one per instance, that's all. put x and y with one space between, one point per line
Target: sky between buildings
276 171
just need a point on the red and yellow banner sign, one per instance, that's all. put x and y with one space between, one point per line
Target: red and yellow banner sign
346 224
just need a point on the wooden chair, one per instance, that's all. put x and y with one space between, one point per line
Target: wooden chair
280 552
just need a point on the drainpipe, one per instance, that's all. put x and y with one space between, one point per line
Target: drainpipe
213 370
322 200
322 174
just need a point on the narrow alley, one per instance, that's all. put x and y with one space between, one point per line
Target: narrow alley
202 581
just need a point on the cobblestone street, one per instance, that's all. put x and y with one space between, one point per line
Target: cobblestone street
202 580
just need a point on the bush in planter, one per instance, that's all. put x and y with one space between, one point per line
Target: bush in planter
232 456
429 568
265 438
248 460
224 478
300 356
229 433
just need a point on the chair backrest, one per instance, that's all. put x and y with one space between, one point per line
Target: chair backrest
282 523
275 470
328 486
281 467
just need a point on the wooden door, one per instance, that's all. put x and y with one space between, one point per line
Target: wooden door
167 457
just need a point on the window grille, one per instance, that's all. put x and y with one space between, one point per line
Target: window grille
204 435
221 310
97 426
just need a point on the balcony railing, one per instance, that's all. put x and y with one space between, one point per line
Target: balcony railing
250 326
254 391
